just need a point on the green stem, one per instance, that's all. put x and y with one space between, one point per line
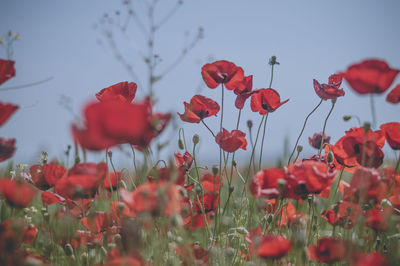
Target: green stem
302 130
323 130
262 140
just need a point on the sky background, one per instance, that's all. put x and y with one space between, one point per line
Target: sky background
311 39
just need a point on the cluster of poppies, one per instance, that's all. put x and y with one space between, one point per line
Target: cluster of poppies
92 213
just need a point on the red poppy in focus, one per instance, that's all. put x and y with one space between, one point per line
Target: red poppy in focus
330 90
366 184
222 72
199 108
392 134
123 92
316 140
394 95
369 259
6 110
243 91
265 183
230 142
328 250
17 194
358 147
343 214
265 101
370 76
273 247
184 160
46 176
7 70
307 176
7 149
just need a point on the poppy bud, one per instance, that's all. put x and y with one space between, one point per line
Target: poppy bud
346 117
179 239
196 138
215 170
109 153
180 144
329 157
117 239
69 251
231 189
249 124
367 126
299 148
272 61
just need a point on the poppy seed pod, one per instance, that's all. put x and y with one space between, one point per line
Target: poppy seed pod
196 138
346 117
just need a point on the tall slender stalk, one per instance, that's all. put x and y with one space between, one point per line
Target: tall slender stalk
302 130
323 130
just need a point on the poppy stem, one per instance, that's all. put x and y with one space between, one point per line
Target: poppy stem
272 76
340 179
323 129
373 110
209 129
302 130
134 165
262 141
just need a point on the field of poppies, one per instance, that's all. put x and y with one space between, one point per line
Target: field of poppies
340 206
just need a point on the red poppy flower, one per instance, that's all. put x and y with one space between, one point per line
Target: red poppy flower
366 184
330 90
392 134
184 160
7 70
265 183
369 259
360 148
192 254
265 101
7 149
316 140
97 222
222 72
113 178
154 198
394 95
328 250
46 176
199 108
77 186
99 170
123 92
343 214
17 194
378 219
307 176
169 174
110 123
6 110
230 142
370 76
273 247
49 198
243 91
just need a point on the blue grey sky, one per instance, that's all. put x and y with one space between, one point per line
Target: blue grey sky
312 39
